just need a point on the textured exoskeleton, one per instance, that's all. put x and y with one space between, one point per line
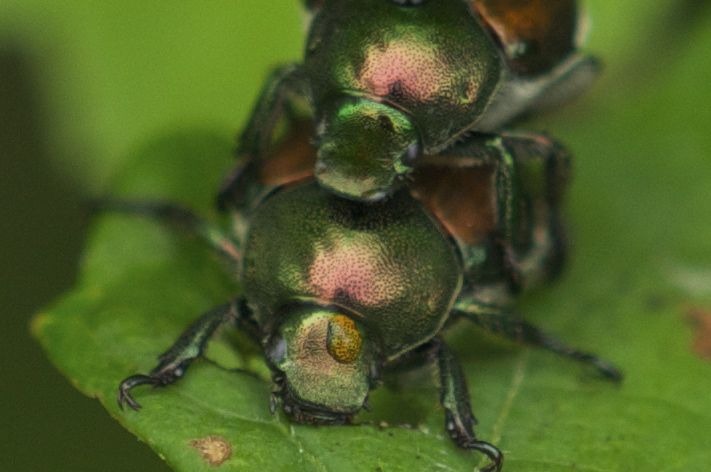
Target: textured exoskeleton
389 83
339 292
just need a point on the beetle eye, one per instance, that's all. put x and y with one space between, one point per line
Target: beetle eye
386 123
408 3
343 340
276 351
411 154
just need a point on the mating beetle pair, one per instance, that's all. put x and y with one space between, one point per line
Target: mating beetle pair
391 86
408 213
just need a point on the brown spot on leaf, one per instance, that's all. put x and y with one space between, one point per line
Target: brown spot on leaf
214 449
701 319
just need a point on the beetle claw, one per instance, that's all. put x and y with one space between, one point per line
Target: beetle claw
491 451
124 398
273 403
124 395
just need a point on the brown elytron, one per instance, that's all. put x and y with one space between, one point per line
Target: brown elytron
460 198
535 34
291 159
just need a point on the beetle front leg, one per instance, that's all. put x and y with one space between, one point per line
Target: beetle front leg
173 363
506 324
277 100
454 396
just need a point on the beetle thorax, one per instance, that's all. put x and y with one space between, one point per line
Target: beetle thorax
388 264
435 61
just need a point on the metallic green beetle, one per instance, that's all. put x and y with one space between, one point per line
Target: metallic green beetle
339 292
392 82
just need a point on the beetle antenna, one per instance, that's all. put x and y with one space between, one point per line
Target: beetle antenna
176 216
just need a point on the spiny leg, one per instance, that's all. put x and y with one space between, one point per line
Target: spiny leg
516 152
507 193
176 216
191 344
538 153
530 175
454 396
510 326
277 100
490 149
173 363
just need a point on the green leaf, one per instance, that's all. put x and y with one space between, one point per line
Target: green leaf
639 218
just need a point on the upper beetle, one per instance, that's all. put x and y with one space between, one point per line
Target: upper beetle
388 82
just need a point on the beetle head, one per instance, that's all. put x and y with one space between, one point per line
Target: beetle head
365 148
322 364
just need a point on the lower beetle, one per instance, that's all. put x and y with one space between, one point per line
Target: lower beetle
339 292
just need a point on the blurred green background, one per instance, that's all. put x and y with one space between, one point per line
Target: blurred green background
84 83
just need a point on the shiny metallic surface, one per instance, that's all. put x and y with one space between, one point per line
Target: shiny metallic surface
434 61
362 148
388 263
313 377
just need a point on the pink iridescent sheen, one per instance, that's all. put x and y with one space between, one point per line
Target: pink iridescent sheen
415 71
354 272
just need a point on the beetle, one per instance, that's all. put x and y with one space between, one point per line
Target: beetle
390 83
339 292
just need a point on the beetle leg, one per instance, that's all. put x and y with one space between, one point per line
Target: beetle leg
277 100
173 363
529 153
510 326
537 153
567 82
507 192
176 216
526 96
454 396
529 173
